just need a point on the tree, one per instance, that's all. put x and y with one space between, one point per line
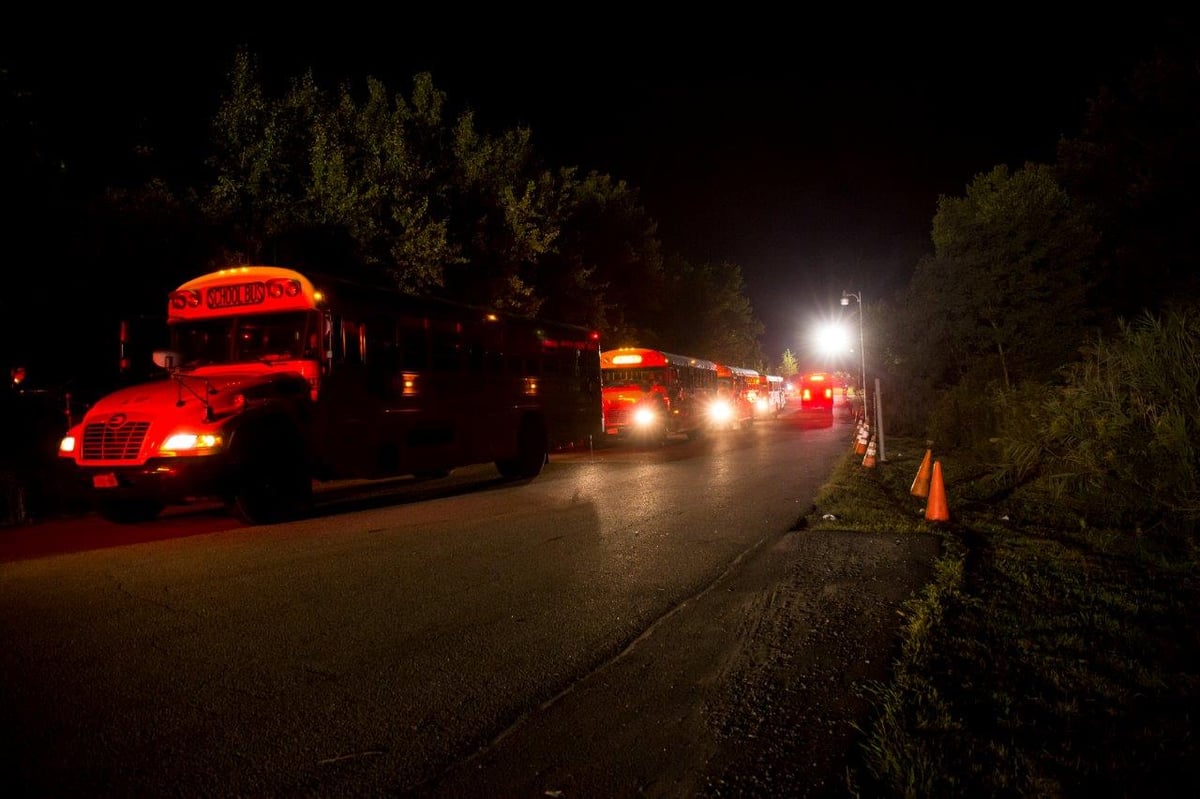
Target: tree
1003 296
402 190
304 168
788 366
605 270
709 315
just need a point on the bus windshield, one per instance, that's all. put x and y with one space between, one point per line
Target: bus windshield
627 377
238 339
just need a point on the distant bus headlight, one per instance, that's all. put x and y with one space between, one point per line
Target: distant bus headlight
644 417
720 411
761 405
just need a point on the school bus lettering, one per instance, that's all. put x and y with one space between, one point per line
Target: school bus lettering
231 296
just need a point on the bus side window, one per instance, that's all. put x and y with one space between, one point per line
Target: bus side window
352 340
327 340
413 356
446 348
382 361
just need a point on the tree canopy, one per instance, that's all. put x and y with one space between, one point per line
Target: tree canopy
401 190
1004 294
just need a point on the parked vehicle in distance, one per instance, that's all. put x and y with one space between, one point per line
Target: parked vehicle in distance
734 406
649 394
767 394
816 390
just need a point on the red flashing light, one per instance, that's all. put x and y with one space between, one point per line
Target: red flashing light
185 298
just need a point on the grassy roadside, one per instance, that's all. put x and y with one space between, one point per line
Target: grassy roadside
1045 659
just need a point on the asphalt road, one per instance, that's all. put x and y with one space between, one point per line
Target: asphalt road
632 622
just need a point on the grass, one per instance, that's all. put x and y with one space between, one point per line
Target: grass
1046 658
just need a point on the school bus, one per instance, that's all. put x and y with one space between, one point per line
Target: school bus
776 394
650 394
734 406
766 395
275 379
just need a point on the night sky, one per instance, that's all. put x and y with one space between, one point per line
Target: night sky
811 151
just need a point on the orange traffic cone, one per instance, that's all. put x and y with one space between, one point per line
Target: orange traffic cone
936 510
864 433
920 486
869 458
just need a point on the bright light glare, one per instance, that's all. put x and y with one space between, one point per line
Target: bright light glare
644 417
832 339
720 411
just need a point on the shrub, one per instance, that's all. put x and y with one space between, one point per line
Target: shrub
1117 441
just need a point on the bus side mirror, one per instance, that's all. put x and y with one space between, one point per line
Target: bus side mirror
165 359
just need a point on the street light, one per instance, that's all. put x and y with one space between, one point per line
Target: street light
862 352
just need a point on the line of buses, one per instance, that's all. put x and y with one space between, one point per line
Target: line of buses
275 380
650 394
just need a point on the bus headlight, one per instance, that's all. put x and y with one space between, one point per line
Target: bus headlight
720 411
67 445
761 405
644 417
190 444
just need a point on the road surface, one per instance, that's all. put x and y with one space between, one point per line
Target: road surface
632 622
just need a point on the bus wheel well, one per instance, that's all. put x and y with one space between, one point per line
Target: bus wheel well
270 480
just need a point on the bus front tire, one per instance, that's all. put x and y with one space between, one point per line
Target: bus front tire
270 489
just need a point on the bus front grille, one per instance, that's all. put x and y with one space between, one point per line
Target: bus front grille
616 416
104 443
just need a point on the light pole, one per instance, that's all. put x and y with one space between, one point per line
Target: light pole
862 352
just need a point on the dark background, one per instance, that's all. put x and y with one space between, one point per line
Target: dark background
808 149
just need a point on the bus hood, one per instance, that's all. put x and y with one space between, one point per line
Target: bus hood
185 394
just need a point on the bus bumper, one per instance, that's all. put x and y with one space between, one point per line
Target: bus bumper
170 481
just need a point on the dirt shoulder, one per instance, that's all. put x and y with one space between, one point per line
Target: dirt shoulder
752 688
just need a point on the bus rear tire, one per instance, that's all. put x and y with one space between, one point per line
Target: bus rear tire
532 452
129 511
